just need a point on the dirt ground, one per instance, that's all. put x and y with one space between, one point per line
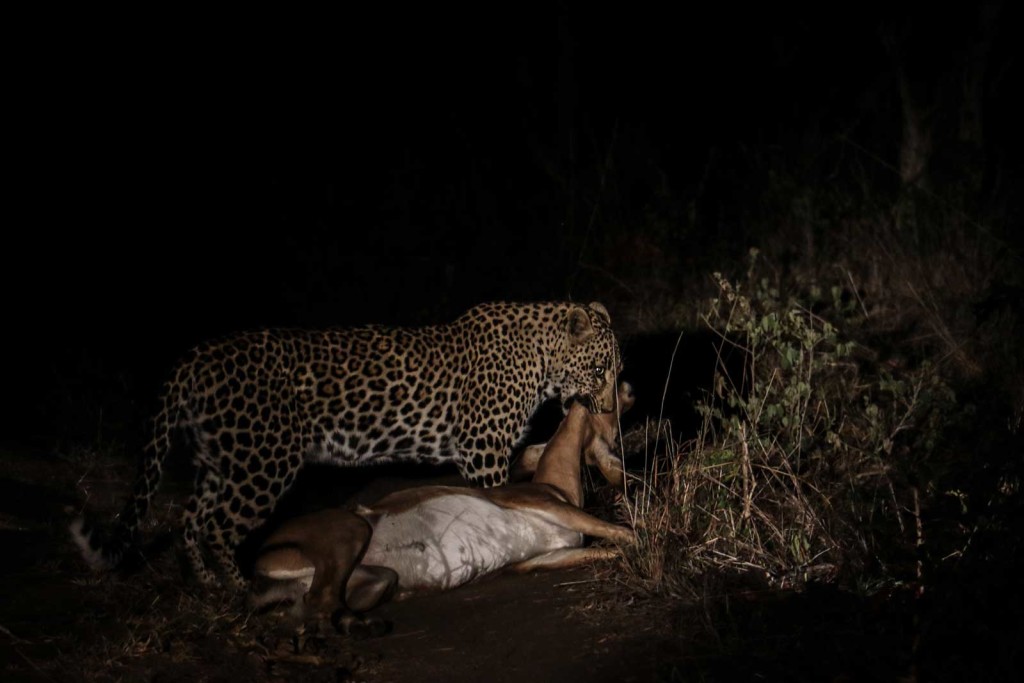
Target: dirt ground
59 622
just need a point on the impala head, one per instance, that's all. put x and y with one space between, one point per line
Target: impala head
601 451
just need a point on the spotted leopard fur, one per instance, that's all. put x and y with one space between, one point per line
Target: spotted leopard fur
256 406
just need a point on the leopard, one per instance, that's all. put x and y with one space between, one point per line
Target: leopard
254 407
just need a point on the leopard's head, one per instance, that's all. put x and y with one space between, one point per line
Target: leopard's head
590 359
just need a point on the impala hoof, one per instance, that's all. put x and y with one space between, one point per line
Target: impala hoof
358 627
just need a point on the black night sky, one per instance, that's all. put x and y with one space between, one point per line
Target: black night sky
180 177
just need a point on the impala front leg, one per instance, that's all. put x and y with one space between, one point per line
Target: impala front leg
588 525
573 518
566 558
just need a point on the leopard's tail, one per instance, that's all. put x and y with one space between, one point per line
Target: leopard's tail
103 554
84 536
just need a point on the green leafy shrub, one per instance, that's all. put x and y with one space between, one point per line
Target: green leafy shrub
800 468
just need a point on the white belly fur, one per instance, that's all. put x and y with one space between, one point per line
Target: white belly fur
450 540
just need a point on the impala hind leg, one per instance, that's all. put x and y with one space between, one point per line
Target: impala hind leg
571 517
368 586
334 542
266 592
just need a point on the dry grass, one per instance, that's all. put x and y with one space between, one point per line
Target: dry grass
799 470
867 442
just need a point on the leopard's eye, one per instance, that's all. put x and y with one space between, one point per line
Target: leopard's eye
598 370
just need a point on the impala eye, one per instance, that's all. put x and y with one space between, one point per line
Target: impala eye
598 370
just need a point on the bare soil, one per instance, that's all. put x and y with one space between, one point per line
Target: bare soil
59 622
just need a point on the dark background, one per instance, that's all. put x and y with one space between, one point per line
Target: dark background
177 177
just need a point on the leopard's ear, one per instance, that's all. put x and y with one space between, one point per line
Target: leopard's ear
599 308
579 325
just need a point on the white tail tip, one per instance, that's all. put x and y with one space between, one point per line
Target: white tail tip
93 556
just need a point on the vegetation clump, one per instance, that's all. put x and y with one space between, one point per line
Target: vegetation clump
798 469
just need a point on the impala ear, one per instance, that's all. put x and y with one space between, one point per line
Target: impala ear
599 308
580 327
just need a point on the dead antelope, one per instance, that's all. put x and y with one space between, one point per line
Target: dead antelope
439 537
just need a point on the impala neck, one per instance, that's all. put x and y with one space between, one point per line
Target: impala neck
559 466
